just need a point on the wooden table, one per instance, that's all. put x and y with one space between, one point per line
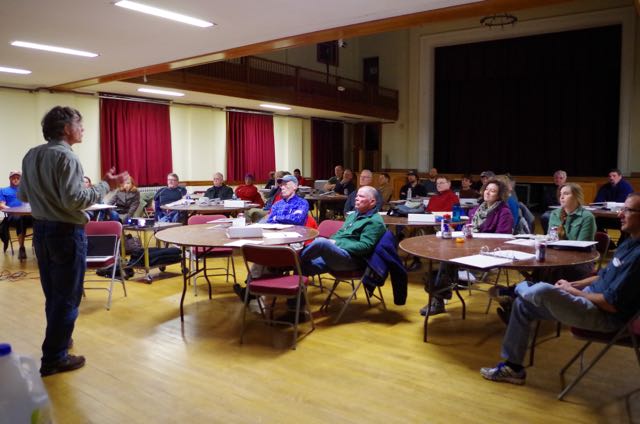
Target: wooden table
212 235
324 198
444 250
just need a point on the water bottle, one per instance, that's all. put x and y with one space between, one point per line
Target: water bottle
409 193
553 234
445 229
23 398
457 211
234 197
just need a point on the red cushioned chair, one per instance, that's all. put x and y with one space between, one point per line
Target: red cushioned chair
198 254
326 229
627 336
289 286
107 228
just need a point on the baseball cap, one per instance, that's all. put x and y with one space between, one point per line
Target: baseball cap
287 178
412 172
249 176
12 173
487 174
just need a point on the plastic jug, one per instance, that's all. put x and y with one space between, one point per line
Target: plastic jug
23 398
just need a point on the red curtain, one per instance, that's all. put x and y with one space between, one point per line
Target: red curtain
250 145
136 137
326 147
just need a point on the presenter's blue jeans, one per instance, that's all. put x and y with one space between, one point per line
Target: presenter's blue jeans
322 255
543 301
61 249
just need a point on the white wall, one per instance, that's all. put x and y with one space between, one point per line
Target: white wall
198 142
289 135
20 116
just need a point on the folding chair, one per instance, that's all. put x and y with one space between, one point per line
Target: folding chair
628 336
202 253
107 228
602 247
289 286
326 229
349 277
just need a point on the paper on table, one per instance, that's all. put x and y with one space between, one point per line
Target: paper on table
272 226
221 221
515 255
522 242
492 236
481 261
454 234
283 234
572 243
242 242
99 206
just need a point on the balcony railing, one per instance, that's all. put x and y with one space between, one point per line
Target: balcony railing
255 77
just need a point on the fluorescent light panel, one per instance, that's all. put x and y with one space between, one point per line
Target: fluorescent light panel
161 92
270 106
54 49
138 7
14 70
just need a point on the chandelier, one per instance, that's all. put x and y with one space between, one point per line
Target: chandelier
499 20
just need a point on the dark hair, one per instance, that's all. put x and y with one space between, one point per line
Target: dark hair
296 170
87 178
616 170
503 191
56 119
467 177
386 175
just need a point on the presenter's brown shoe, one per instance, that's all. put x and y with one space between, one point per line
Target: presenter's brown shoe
69 363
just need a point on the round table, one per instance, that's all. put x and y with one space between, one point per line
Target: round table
214 235
444 250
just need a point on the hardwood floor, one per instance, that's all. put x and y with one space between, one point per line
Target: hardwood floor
143 366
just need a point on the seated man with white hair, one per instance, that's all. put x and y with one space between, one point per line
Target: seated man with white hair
219 190
348 248
365 179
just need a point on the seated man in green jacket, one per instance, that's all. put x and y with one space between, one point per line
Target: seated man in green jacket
348 248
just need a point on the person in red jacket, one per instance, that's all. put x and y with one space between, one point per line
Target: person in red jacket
445 199
248 191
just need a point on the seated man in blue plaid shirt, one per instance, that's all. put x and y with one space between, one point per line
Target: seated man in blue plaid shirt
291 209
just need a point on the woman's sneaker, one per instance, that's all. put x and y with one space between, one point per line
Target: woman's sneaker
503 372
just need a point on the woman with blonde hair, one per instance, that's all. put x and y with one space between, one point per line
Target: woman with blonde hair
126 201
571 219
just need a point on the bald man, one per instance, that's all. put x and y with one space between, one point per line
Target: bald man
348 248
365 179
219 190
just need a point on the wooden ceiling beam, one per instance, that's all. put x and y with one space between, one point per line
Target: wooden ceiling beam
471 10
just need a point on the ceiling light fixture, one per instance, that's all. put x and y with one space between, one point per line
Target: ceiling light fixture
54 49
161 92
270 106
138 7
499 20
14 70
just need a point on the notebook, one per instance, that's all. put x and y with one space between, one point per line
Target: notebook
100 248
